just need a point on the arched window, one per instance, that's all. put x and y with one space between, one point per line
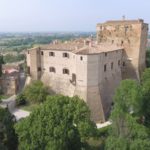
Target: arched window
52 69
81 58
65 71
66 55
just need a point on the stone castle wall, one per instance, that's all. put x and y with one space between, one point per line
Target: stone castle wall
132 35
96 76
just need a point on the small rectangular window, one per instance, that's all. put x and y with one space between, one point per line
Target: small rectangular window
42 53
65 71
52 69
123 64
105 68
39 69
66 55
51 54
105 54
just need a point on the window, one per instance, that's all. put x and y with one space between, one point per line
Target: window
65 71
118 62
28 52
105 68
42 53
73 77
81 58
52 69
123 64
51 54
112 41
105 54
28 70
122 43
66 55
39 69
112 65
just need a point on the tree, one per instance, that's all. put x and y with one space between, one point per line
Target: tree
145 82
60 123
145 76
36 92
8 138
126 132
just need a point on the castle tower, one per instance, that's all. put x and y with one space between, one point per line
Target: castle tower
132 36
34 63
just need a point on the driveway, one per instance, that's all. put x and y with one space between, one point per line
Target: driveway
10 103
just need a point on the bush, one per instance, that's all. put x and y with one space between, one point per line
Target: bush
36 92
20 100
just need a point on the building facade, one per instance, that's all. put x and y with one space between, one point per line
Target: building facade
92 69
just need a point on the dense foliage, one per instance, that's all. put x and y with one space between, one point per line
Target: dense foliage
61 123
36 92
21 99
13 58
21 41
8 138
127 130
145 81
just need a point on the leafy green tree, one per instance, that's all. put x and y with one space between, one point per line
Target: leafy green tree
126 132
13 58
60 123
8 138
36 92
145 82
145 75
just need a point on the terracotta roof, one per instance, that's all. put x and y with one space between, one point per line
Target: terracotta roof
82 47
95 49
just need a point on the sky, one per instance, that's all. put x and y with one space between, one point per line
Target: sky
67 15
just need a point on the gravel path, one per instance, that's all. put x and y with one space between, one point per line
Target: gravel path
11 104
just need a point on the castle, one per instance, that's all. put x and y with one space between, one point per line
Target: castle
92 69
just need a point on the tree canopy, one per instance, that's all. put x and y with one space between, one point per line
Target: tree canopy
36 92
127 133
60 123
8 138
145 81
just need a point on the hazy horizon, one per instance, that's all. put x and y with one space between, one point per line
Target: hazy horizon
66 16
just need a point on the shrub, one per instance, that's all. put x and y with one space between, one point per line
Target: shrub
20 100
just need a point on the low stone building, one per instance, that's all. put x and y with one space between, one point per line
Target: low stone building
92 69
9 82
